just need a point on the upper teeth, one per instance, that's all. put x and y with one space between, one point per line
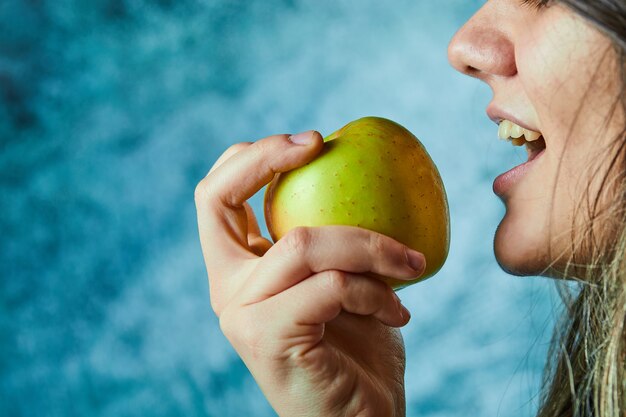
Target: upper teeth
510 131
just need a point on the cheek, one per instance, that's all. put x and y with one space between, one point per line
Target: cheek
562 65
557 69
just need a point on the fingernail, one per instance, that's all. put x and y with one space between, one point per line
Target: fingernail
398 304
304 138
415 260
404 312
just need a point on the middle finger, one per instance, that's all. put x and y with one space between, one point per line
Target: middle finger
305 251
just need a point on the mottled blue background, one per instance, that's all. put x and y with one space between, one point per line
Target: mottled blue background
112 110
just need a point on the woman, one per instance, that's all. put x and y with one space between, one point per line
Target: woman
300 312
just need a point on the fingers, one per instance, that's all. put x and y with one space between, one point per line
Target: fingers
220 196
228 153
257 243
322 297
253 227
245 173
306 251
294 320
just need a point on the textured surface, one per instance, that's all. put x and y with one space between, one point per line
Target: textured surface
112 110
372 173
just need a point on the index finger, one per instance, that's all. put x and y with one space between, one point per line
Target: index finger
220 196
228 153
254 233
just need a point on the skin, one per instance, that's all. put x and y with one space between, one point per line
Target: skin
327 343
550 69
301 313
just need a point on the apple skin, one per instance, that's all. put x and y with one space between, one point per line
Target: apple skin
372 173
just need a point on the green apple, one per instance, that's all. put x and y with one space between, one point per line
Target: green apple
372 173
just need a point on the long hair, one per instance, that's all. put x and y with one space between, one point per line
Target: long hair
585 373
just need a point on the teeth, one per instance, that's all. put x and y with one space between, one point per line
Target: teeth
518 141
504 129
531 135
516 134
516 131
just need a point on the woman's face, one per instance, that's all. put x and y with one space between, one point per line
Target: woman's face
552 73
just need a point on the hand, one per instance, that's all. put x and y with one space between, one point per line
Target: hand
317 334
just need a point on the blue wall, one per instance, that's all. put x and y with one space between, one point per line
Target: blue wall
112 110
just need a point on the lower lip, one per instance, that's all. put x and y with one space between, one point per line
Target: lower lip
503 183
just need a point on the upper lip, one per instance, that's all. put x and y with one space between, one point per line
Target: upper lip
497 115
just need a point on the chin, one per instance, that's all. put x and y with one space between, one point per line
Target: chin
518 249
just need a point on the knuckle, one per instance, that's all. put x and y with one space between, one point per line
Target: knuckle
251 335
227 324
298 240
337 281
202 192
228 153
270 148
216 305
377 244
233 149
262 147
243 332
386 290
270 143
216 295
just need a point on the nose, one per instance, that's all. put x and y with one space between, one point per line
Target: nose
481 48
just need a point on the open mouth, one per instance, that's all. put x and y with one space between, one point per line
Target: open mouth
519 136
